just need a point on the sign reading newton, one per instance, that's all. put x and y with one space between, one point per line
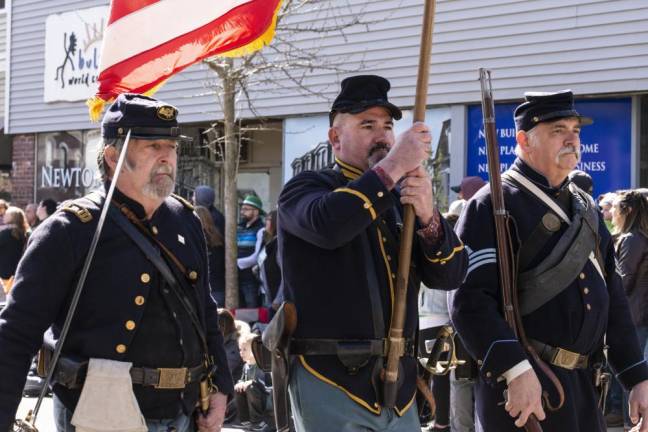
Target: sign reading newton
72 49
605 145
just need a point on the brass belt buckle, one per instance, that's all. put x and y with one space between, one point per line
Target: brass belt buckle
566 359
172 378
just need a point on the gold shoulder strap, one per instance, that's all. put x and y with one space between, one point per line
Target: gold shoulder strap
79 211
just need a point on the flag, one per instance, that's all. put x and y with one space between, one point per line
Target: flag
148 41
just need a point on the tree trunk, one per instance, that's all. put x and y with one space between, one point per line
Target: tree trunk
230 165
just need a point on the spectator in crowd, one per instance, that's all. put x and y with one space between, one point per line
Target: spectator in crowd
30 215
605 204
204 196
227 326
4 205
582 180
242 328
13 236
469 187
252 392
46 208
466 189
231 336
216 254
630 218
269 271
433 314
249 240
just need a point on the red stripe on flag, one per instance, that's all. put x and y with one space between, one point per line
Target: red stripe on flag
121 8
140 73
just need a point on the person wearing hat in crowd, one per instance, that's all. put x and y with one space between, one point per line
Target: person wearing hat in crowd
571 299
468 187
143 347
582 180
205 196
338 236
249 239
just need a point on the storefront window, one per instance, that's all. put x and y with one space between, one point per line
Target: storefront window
66 164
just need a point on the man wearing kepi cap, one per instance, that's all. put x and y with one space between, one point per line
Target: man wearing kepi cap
339 236
144 345
570 296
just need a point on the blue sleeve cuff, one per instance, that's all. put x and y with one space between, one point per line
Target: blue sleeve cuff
633 374
501 356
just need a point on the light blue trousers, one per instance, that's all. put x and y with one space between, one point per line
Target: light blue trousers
320 407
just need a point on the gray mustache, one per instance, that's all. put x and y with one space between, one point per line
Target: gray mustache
163 169
567 150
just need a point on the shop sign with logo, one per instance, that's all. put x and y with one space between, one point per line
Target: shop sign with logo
72 49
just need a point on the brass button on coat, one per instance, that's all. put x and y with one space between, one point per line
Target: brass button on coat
193 275
589 307
586 290
145 278
380 194
130 325
139 300
121 348
154 230
582 276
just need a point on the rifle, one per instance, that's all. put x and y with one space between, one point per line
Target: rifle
395 340
506 261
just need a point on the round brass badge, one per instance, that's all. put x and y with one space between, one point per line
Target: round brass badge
551 222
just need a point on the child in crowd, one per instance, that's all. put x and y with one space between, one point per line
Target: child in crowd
253 398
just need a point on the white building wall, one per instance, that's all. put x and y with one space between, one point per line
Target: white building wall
591 46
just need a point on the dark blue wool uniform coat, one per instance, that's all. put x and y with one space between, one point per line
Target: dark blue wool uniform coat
120 282
576 319
326 221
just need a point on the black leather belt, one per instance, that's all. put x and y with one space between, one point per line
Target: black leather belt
559 356
72 375
167 378
373 347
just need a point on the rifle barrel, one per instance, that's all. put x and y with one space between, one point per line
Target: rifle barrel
500 215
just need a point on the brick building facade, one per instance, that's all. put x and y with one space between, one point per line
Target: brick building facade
23 167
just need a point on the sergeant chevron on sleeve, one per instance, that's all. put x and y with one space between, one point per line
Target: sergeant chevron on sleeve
339 237
570 296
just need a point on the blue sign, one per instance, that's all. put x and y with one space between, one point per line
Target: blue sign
605 145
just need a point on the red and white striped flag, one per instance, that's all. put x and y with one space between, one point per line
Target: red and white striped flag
148 41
